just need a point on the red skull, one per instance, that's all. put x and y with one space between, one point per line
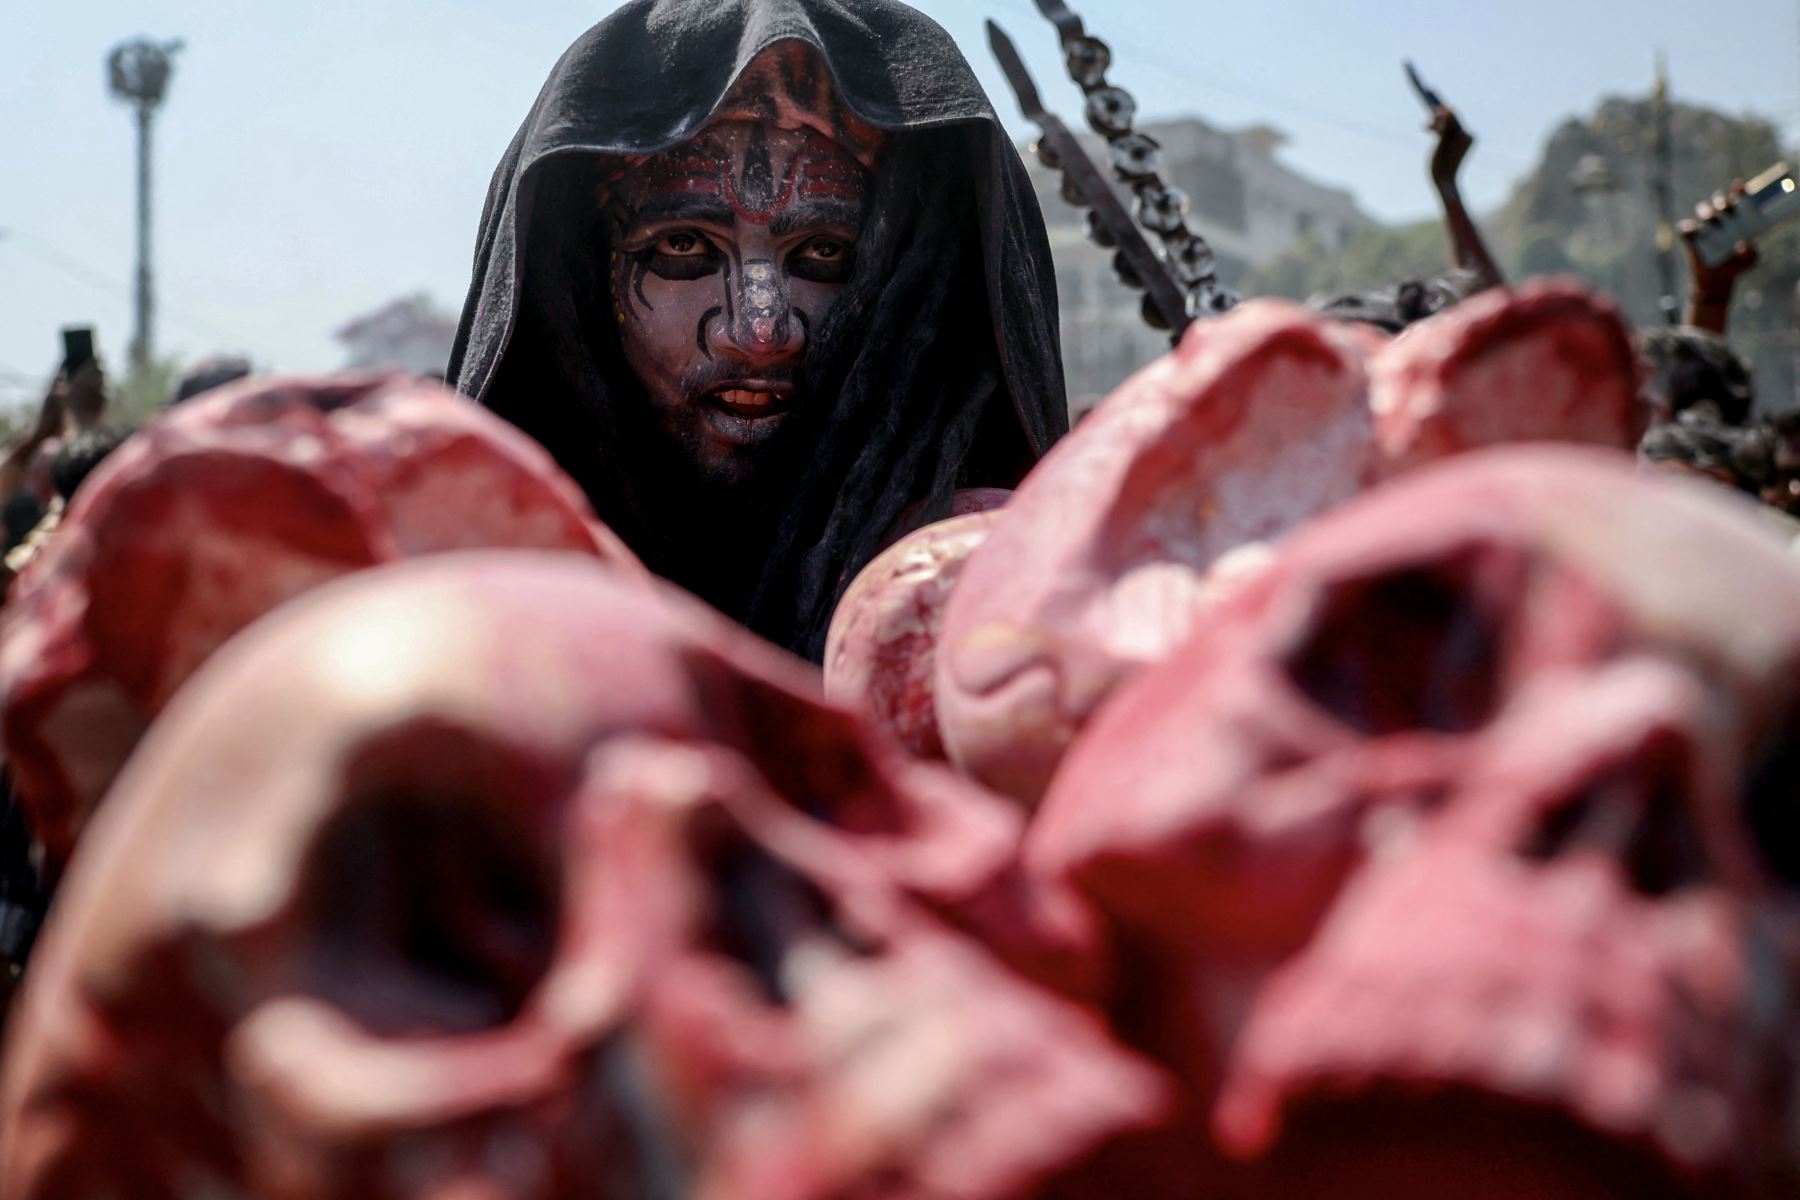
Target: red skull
495 875
1257 422
222 509
1465 839
1548 361
881 652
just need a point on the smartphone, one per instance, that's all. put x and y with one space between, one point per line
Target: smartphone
78 349
1769 199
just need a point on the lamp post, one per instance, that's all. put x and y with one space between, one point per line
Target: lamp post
138 72
1662 188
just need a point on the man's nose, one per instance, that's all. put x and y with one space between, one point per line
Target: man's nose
762 324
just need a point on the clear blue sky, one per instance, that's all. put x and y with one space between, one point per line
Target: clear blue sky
316 160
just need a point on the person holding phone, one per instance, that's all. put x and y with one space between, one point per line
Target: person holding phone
75 403
84 380
1710 287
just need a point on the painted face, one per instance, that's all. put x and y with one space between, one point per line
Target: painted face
728 251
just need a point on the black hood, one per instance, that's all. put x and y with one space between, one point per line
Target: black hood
649 76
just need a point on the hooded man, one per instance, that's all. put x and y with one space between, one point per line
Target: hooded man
765 276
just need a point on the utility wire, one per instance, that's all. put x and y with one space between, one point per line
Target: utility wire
1206 77
74 268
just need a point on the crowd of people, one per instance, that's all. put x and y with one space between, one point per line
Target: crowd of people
768 282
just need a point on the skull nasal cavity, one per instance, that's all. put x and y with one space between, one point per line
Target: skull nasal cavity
435 914
1404 651
762 910
1636 814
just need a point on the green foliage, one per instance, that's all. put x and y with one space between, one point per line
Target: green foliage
1374 258
145 389
1609 238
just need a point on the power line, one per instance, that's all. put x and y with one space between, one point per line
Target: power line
74 268
1193 73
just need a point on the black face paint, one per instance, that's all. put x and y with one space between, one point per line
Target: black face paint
706 318
756 185
721 242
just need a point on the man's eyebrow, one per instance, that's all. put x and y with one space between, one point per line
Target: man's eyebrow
827 213
683 206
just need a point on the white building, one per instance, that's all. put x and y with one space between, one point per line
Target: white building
410 334
1244 202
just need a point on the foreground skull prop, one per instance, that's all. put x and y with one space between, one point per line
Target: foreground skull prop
1548 361
529 894
881 652
219 511
1466 839
1258 421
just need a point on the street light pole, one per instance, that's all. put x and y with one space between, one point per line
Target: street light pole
1662 183
139 72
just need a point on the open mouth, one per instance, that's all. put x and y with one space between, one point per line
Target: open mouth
752 399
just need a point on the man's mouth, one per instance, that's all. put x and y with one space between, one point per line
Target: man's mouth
752 399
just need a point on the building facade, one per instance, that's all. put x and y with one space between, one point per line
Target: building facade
1247 204
410 334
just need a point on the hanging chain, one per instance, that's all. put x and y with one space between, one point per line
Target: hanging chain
1137 162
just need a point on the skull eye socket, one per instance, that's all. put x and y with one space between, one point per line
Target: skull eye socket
1409 650
433 908
1771 803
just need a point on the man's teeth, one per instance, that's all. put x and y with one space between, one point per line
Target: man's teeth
744 399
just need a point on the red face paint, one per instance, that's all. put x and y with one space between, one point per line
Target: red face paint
727 252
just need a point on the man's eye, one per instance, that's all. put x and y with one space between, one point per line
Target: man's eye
822 260
683 245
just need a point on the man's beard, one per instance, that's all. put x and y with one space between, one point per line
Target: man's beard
705 522
759 470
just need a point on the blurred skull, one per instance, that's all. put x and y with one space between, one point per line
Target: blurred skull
1457 853
1097 567
496 876
222 509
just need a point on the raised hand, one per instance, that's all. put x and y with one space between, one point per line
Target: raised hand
1454 144
1709 293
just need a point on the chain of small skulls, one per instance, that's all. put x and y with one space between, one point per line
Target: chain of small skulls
1137 162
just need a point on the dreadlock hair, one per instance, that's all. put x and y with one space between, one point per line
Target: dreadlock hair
906 359
909 352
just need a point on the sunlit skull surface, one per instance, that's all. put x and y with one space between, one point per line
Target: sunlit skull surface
495 875
220 510
1548 361
1465 841
1094 569
881 653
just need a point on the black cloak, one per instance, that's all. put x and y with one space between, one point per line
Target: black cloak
648 77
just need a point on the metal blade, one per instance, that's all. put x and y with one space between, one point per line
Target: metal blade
1014 68
1430 98
1158 284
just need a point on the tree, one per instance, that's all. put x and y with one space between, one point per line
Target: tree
144 390
1373 258
1610 239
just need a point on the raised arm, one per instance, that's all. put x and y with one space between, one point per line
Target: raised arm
17 455
1467 249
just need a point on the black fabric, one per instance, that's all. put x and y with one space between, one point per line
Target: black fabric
647 78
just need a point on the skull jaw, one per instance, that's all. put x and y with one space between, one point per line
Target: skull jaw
1392 1143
